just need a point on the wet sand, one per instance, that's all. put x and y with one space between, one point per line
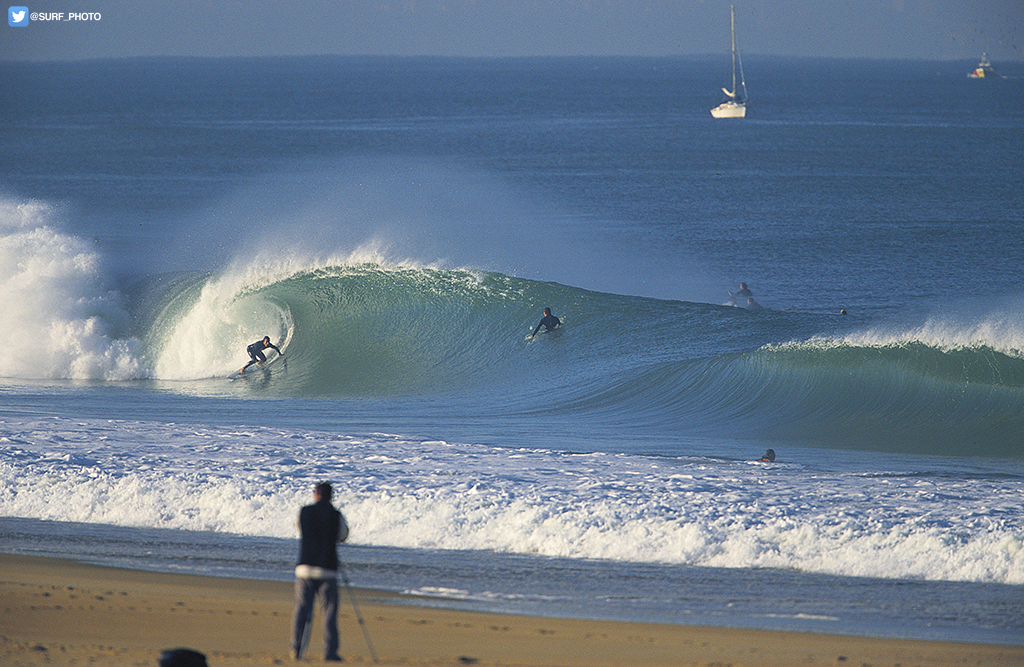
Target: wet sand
58 612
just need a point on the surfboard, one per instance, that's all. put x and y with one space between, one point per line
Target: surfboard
552 333
254 370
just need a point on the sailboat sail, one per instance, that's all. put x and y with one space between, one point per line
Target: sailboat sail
743 80
736 105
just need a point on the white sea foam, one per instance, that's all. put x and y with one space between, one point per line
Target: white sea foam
431 494
62 320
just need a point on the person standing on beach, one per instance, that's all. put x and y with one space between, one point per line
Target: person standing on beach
321 527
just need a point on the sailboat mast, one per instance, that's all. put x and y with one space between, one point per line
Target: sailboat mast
732 26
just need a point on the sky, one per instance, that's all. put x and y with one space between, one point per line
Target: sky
897 29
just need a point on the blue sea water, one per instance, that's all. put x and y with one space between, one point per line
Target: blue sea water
396 227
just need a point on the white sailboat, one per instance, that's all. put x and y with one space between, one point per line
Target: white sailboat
736 105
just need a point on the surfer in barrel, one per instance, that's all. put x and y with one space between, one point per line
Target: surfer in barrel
256 355
549 322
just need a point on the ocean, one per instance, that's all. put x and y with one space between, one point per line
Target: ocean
397 225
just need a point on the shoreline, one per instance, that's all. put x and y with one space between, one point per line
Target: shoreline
62 612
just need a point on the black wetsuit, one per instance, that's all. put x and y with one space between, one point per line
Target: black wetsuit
256 355
549 322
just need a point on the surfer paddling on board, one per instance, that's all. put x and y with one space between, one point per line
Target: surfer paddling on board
256 355
743 291
549 322
769 457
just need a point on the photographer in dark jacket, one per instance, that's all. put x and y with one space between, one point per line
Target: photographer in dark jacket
322 528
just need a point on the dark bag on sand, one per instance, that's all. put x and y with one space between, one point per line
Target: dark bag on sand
182 657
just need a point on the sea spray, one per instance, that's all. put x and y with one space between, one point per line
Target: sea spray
63 319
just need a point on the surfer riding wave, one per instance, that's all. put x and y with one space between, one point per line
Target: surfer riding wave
256 355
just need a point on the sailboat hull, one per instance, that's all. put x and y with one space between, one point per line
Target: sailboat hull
730 109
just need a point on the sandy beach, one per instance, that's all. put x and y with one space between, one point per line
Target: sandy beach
58 612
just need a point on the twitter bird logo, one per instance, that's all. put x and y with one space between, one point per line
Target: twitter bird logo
17 17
